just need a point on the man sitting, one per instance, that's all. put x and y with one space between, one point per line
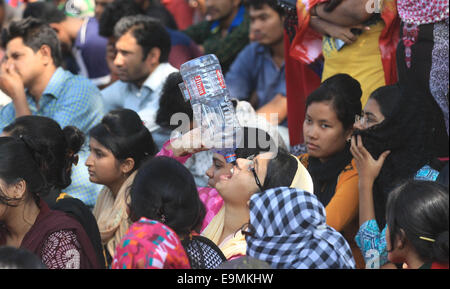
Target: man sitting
32 77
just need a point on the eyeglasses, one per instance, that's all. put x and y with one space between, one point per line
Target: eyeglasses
251 167
361 120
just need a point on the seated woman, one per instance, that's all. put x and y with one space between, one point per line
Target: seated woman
149 244
254 174
417 221
61 147
184 147
328 126
391 144
294 238
118 146
26 220
164 190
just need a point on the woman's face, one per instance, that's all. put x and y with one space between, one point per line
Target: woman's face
395 253
242 184
103 167
371 115
219 168
323 131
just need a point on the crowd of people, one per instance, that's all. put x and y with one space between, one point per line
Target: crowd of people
96 174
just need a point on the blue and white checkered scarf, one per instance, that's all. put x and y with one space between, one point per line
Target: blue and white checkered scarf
288 230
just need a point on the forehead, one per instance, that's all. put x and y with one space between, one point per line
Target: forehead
127 42
322 110
263 9
372 106
17 45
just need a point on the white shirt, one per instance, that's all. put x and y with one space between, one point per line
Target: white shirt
144 100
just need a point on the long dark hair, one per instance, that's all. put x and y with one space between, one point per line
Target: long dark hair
406 132
165 190
420 210
123 133
20 159
62 145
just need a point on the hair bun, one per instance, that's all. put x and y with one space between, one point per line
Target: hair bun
74 137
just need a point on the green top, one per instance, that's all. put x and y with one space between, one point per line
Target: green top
225 48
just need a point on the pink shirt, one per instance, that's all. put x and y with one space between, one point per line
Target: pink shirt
209 196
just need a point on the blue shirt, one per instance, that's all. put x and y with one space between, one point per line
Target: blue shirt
144 100
255 70
69 100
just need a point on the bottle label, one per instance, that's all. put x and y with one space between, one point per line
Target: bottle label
199 83
220 78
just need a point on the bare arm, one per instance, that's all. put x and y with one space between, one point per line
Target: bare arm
368 171
334 30
278 105
347 13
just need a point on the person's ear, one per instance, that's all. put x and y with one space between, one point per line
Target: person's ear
19 189
46 53
153 57
348 134
127 165
400 241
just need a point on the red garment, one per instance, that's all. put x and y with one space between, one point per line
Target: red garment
306 48
439 266
300 82
50 224
181 11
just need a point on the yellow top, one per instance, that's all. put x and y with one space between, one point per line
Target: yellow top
361 60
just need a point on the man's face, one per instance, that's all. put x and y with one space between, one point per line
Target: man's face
219 9
266 25
100 7
63 36
129 61
27 63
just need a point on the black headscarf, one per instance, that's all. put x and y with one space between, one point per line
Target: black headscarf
325 175
407 134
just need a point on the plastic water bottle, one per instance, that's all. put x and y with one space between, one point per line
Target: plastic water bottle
205 87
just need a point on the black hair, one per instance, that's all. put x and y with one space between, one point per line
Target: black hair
387 99
162 14
113 12
34 34
61 146
420 209
281 170
165 190
21 159
258 4
172 101
344 92
148 32
254 141
18 258
406 132
124 134
47 12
